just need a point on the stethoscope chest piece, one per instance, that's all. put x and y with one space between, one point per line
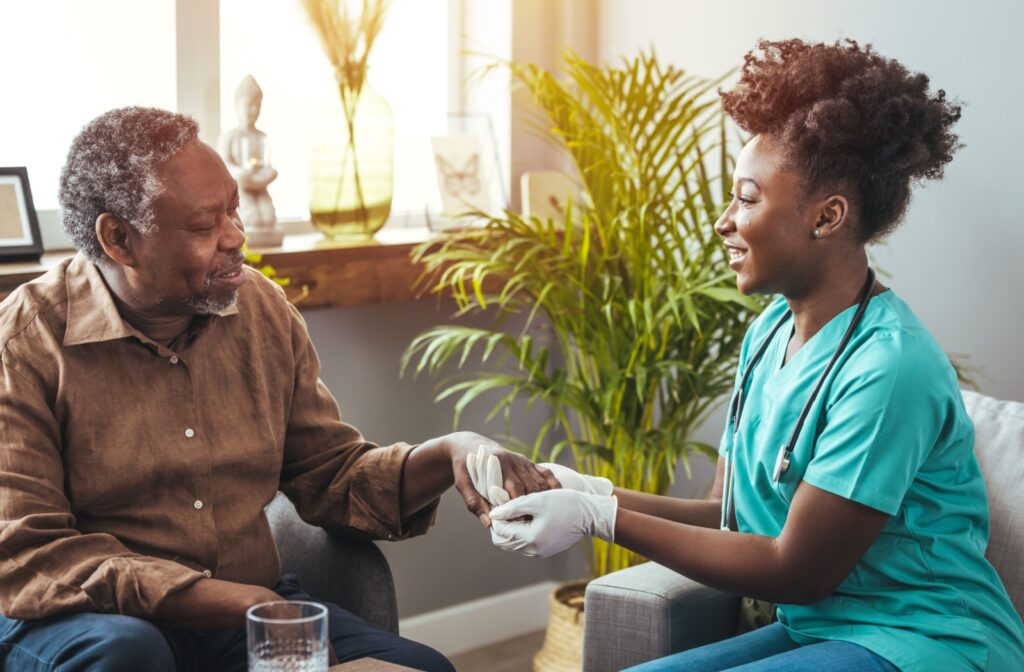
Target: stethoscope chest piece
781 464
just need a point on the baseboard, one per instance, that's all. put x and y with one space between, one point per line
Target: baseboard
477 623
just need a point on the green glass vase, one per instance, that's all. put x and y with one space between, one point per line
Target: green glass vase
352 163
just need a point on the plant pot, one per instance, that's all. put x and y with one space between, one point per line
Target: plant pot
563 641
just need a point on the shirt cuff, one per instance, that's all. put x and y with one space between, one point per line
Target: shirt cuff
136 585
377 495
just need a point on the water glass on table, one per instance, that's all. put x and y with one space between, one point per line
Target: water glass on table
287 637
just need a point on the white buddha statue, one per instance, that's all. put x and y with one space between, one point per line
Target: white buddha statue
246 152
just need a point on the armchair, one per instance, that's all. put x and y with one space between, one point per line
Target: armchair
351 573
648 611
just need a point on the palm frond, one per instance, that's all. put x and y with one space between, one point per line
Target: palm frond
642 312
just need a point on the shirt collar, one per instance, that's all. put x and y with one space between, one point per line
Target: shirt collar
92 314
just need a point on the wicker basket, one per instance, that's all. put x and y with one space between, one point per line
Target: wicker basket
563 641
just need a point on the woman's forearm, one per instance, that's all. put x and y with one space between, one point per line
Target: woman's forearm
699 512
745 564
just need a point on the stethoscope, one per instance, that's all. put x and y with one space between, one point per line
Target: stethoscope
785 454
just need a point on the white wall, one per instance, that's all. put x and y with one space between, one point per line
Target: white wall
958 258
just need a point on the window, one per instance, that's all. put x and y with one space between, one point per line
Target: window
68 61
272 41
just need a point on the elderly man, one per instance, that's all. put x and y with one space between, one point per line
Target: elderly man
155 395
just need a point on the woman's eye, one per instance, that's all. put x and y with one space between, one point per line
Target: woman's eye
740 198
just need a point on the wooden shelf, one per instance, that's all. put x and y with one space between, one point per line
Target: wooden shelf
349 274
14 274
334 275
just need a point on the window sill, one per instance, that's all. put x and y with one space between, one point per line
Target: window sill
330 274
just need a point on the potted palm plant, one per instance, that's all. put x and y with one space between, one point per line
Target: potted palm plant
642 321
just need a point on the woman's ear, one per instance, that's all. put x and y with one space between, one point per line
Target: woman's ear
115 238
833 217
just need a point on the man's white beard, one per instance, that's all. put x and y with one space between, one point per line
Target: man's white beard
211 306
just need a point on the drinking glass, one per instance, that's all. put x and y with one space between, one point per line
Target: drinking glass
287 637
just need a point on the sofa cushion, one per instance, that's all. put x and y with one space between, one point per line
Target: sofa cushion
999 445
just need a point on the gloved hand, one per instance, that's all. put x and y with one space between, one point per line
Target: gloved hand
573 480
560 518
485 473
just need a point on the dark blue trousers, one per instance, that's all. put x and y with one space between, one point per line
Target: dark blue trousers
113 643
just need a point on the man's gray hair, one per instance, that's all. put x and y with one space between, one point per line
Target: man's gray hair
111 168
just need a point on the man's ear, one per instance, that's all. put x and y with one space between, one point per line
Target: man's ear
115 237
833 217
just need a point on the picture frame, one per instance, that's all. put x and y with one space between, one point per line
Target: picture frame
468 171
19 225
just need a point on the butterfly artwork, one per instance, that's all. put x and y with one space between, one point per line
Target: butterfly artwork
461 178
457 182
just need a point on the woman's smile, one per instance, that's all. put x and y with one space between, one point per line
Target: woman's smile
736 255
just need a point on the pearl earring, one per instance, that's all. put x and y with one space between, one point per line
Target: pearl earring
817 233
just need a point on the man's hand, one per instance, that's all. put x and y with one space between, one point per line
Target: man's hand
558 519
518 475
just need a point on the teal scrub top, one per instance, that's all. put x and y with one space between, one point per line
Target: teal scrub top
888 430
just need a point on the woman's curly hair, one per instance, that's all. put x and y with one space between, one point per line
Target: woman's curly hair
848 117
112 167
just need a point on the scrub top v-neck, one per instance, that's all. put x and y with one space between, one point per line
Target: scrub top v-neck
888 430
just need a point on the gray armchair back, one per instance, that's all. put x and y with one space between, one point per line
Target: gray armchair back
350 573
648 611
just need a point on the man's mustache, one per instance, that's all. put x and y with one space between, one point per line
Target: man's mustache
228 265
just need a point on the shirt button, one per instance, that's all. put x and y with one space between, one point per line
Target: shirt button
189 433
174 359
198 504
207 573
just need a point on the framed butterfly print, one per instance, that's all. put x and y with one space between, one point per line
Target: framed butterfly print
461 175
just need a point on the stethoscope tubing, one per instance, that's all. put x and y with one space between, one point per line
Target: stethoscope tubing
739 398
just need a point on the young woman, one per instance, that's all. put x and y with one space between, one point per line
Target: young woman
852 496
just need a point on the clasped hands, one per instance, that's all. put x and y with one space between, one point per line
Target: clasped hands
548 522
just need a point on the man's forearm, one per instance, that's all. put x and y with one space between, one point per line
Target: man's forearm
699 512
211 604
426 476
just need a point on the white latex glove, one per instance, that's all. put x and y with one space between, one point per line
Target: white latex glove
560 518
573 480
485 473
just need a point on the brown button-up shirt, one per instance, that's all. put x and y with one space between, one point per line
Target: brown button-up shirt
128 469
